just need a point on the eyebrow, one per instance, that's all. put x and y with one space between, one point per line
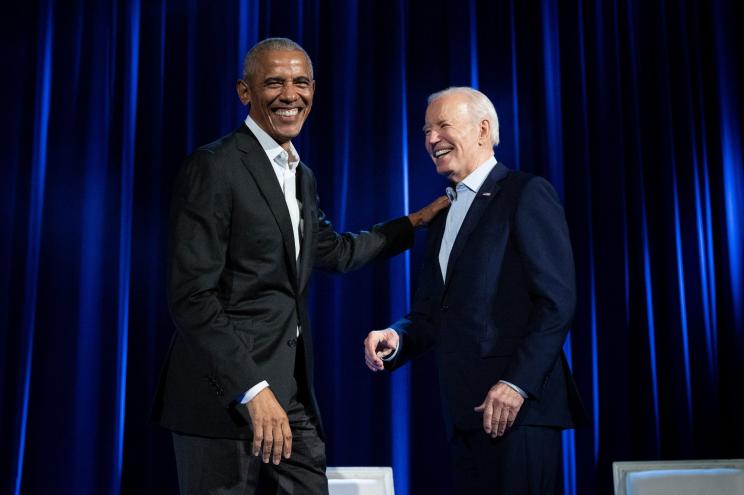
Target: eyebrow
281 79
439 122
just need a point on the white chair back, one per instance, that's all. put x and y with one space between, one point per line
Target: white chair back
716 476
360 481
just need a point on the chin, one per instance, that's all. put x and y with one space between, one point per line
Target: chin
287 134
444 171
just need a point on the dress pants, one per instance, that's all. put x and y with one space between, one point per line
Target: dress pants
226 467
223 466
525 461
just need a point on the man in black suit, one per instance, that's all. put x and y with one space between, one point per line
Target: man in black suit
495 300
246 232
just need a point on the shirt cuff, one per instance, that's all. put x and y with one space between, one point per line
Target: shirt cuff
253 391
392 355
515 388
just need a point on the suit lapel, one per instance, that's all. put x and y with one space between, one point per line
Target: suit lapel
255 160
308 200
436 231
488 190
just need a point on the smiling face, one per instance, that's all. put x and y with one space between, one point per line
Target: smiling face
456 141
280 93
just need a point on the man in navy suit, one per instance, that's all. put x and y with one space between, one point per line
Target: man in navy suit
495 300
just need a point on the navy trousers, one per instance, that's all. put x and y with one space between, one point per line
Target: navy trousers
525 461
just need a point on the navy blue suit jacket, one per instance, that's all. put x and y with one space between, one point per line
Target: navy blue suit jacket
504 309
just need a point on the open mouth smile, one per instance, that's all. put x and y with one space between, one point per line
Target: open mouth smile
441 152
286 112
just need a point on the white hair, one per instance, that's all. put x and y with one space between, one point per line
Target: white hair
479 104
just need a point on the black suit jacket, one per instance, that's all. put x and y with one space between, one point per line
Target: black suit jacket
505 307
236 293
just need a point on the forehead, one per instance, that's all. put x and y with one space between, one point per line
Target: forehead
283 62
448 107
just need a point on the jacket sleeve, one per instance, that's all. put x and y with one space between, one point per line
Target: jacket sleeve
199 236
543 241
417 330
348 251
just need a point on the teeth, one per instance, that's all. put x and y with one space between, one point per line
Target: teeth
287 112
443 152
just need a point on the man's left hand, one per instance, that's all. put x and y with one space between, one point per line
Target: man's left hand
500 409
425 215
378 345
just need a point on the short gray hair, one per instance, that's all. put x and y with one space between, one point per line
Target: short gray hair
480 105
250 63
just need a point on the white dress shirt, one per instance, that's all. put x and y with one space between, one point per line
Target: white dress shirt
285 168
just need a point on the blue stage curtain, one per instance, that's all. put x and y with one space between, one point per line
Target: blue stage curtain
633 109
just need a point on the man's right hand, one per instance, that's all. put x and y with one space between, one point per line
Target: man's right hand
271 432
377 345
425 215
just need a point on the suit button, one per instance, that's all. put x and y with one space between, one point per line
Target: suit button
444 307
292 342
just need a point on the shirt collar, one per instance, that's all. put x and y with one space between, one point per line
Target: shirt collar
272 149
476 178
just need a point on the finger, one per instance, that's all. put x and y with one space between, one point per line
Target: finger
287 432
257 439
504 420
500 426
268 443
383 344
512 417
278 444
371 365
370 353
376 361
480 408
488 412
494 419
384 353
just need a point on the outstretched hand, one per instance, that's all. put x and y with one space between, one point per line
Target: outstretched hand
377 345
422 217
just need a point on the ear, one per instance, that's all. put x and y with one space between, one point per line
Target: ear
244 92
484 131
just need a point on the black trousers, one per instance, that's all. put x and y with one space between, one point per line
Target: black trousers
226 466
525 461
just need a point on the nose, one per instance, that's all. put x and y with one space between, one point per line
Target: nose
432 137
289 93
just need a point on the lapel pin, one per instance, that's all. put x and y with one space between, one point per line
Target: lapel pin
486 194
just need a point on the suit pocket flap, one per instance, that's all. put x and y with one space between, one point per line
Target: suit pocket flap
499 346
